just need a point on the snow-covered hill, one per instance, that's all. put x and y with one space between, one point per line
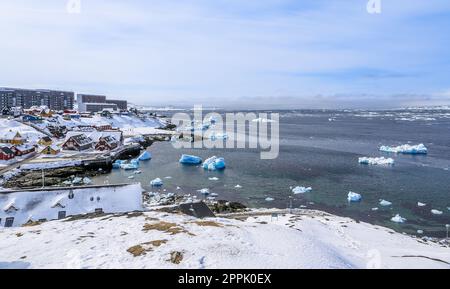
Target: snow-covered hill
162 240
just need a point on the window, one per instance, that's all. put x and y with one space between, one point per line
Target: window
61 215
99 211
9 222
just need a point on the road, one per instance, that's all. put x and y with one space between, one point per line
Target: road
18 164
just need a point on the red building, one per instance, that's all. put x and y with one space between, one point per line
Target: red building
6 153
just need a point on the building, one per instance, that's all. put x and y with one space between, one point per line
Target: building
106 143
46 141
27 98
79 142
23 150
97 103
51 150
18 208
12 137
6 154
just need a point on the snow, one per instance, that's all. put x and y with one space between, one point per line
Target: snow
376 161
50 165
145 156
398 219
385 203
190 160
301 190
437 212
156 183
214 163
406 149
306 240
36 205
354 197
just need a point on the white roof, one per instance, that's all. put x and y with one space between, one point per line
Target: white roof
96 135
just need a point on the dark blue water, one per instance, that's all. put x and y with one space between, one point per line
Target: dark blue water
323 154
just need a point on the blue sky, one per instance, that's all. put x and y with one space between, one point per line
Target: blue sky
232 53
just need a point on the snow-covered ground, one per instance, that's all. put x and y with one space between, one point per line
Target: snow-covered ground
151 240
26 131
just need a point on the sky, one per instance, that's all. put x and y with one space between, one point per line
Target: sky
232 53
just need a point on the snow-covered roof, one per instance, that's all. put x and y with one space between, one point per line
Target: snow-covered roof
80 138
10 135
96 135
36 205
6 150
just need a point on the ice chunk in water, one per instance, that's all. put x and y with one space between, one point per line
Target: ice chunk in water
301 190
421 204
145 156
354 197
156 182
190 160
398 219
385 203
406 149
376 161
437 212
214 163
270 199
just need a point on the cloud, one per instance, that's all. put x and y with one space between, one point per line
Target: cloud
186 52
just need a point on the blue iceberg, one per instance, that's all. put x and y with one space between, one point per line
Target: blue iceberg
354 197
156 183
190 160
117 164
146 156
214 163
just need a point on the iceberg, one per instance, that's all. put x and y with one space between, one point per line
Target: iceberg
214 179
146 156
398 219
117 164
204 192
406 149
214 164
301 190
190 160
131 177
238 187
131 166
419 204
156 183
270 199
420 232
376 161
436 212
87 181
385 203
354 197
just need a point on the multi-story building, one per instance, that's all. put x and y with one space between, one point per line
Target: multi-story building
26 98
97 103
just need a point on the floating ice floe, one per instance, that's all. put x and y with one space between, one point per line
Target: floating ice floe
385 203
420 232
375 209
270 199
301 190
419 204
138 172
190 160
437 212
168 178
214 179
156 182
406 149
214 195
376 161
131 177
238 187
117 164
398 219
204 192
77 181
145 156
354 197
214 163
87 181
129 167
